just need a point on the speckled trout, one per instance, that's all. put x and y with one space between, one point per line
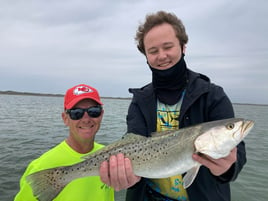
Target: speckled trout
163 155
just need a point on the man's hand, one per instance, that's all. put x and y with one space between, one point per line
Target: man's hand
217 166
118 173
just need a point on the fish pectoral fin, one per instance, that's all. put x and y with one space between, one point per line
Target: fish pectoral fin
190 176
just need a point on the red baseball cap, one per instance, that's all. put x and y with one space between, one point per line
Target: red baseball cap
78 93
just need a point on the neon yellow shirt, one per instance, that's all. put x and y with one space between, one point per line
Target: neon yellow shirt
82 189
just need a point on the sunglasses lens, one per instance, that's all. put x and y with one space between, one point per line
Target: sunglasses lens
94 111
76 114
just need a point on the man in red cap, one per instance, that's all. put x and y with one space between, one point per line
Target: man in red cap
83 114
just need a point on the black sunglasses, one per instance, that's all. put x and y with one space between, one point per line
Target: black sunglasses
78 113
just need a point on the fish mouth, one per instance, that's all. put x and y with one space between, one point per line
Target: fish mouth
247 126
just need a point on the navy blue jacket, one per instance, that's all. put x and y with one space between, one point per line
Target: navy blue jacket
203 102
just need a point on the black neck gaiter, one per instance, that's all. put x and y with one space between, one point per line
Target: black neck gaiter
170 83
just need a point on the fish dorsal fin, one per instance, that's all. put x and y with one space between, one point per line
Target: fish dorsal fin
190 176
156 134
132 136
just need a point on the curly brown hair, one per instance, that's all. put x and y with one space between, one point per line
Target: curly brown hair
156 19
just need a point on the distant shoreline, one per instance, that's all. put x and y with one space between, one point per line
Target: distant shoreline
61 95
46 94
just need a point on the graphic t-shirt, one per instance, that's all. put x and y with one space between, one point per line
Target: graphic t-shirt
82 189
172 187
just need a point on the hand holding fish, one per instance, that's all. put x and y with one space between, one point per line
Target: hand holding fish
118 172
217 166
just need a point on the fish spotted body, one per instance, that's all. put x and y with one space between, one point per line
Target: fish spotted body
163 155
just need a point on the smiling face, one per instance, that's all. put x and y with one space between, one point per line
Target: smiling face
82 132
162 47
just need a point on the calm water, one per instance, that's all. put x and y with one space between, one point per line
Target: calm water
30 125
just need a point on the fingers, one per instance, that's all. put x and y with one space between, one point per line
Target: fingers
233 154
104 173
121 172
211 164
118 172
109 173
132 178
217 166
114 171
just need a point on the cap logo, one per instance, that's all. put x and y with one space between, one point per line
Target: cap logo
81 90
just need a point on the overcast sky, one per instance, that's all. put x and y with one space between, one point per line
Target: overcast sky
47 46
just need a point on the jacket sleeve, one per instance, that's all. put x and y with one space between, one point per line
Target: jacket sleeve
135 119
220 107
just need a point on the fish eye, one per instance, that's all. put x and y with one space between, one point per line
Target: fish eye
230 126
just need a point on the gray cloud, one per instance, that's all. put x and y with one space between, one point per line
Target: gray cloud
47 46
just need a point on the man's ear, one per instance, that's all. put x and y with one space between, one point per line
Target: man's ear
65 118
184 49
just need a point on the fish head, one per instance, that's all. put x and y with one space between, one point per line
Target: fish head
220 137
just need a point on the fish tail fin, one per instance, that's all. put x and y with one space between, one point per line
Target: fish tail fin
47 184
